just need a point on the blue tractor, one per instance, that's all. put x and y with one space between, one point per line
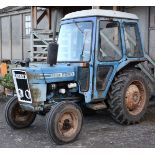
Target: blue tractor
95 64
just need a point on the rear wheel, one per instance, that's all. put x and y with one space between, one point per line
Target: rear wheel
16 117
64 122
129 97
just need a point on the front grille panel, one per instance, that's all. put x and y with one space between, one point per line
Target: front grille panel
22 86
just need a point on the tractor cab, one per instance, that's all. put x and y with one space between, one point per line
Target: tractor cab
99 43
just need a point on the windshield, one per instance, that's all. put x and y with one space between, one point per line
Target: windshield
75 42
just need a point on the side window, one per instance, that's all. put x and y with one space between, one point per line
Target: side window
132 40
109 41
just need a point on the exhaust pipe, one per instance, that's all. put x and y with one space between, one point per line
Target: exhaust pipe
53 46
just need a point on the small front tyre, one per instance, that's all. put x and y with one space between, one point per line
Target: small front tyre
16 117
64 122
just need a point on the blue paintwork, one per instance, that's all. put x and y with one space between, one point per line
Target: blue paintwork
117 65
92 93
44 71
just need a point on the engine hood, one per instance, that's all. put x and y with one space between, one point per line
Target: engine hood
48 74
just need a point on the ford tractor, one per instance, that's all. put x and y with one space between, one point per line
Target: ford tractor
96 63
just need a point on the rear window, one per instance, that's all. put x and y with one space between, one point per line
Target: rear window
132 40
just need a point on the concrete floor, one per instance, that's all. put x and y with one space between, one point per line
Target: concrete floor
99 130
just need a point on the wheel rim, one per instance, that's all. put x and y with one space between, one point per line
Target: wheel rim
135 97
68 124
20 116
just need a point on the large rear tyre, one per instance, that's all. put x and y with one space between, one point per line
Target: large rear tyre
64 122
128 97
16 117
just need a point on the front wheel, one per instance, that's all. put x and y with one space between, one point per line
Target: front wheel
64 122
16 117
128 97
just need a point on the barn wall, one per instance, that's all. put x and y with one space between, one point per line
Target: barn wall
0 39
44 22
14 44
143 14
16 36
6 38
152 33
26 39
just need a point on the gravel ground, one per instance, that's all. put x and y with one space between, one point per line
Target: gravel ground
99 130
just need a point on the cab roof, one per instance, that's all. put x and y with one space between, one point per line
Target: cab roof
101 13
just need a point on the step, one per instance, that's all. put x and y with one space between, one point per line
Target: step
97 106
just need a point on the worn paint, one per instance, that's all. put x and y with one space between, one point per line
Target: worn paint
38 92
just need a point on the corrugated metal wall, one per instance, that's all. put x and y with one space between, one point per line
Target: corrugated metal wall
16 37
6 38
13 42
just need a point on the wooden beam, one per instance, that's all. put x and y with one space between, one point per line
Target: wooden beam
49 18
95 7
41 16
34 17
115 8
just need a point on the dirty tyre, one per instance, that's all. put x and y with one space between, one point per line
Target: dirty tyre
129 97
64 122
16 117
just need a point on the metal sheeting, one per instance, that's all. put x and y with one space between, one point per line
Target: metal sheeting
6 38
11 39
0 40
152 33
152 16
14 42
16 37
152 44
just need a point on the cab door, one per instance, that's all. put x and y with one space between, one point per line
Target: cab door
108 55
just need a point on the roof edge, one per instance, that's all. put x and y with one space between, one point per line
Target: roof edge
100 12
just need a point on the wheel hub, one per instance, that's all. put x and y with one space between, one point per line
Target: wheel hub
134 98
67 124
20 115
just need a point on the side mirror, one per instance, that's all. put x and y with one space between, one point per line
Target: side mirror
52 53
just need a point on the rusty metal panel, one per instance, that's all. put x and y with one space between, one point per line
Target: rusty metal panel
16 37
6 38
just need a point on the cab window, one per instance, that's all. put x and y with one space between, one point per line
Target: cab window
132 40
109 41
